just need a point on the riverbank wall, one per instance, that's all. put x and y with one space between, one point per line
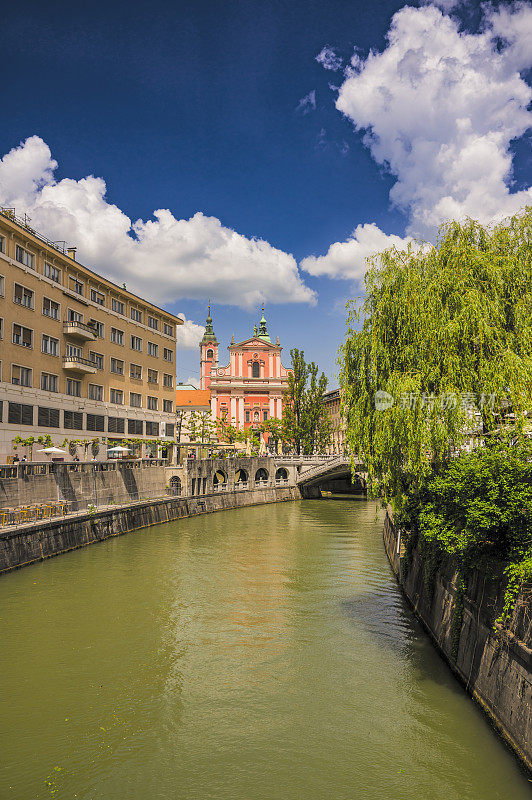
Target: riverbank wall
30 543
496 670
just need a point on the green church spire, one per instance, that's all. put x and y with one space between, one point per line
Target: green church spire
263 330
209 335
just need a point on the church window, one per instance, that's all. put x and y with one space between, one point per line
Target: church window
210 354
255 370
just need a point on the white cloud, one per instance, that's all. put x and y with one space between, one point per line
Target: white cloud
193 382
347 260
164 259
441 107
307 103
445 5
189 334
328 59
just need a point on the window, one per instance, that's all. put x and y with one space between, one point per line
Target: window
152 403
116 396
117 306
95 393
168 380
153 349
209 354
135 372
97 297
247 416
135 400
115 425
50 308
153 323
72 351
75 285
136 343
96 358
168 406
168 329
255 370
20 376
117 366
264 415
152 429
135 426
22 335
136 315
153 376
74 316
95 422
117 337
2 244
1 328
255 416
2 286
168 355
20 414
73 388
24 257
169 429
23 296
47 417
50 345
98 327
49 383
52 272
73 420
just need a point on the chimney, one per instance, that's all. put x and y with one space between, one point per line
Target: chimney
72 252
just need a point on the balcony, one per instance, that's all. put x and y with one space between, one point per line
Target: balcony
79 365
79 330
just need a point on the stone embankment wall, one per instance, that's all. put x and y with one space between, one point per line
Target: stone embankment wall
82 483
495 670
35 542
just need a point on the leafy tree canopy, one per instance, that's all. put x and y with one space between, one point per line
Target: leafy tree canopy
447 332
306 424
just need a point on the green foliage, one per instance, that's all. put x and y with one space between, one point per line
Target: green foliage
306 425
477 510
444 321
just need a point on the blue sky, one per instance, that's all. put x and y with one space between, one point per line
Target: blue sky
222 111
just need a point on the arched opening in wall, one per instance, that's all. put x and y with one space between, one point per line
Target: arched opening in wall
241 476
281 476
175 486
210 354
219 479
261 475
255 369
256 416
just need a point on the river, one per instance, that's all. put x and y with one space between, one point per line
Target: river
254 654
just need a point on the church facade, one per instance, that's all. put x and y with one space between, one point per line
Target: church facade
249 389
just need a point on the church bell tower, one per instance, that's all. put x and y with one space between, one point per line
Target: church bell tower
208 353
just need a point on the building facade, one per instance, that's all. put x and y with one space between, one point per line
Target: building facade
332 403
80 356
249 389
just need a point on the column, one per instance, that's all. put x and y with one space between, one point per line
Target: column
232 412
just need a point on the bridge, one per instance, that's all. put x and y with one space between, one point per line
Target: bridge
334 475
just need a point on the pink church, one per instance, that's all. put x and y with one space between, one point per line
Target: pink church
250 388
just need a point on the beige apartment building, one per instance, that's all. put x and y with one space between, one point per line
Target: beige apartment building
80 358
332 402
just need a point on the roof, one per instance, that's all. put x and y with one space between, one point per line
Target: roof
195 399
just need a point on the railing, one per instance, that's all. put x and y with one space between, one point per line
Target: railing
85 362
9 213
74 323
262 482
242 485
281 481
26 468
220 487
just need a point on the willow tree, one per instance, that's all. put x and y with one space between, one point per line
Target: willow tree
446 333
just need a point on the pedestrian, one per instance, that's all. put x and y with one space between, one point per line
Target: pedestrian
16 458
24 458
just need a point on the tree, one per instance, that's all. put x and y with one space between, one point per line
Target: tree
444 351
306 425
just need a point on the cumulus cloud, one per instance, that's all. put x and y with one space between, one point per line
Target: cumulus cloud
445 5
193 382
190 333
328 59
307 103
440 108
347 259
164 259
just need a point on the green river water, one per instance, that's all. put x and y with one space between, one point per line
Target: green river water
255 654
